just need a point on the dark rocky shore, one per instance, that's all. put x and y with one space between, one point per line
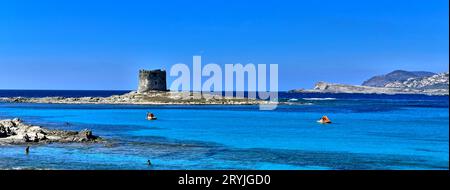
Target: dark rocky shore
14 131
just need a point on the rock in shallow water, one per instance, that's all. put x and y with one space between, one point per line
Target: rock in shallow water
16 132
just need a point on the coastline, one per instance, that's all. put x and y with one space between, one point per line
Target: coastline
135 98
324 87
174 98
312 91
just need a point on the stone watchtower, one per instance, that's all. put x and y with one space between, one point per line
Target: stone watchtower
152 80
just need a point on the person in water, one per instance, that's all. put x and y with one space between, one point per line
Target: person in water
150 116
36 138
149 162
26 138
27 150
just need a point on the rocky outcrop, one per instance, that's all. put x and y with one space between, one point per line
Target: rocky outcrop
395 76
14 131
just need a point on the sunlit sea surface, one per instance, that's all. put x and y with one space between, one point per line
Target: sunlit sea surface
368 132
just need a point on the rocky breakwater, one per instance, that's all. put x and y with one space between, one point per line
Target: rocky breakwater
14 131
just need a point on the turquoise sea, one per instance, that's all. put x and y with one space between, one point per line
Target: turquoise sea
369 132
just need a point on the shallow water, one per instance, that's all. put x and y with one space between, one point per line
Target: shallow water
369 132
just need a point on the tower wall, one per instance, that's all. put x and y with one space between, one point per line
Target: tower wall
153 80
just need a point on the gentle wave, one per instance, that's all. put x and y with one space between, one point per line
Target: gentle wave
319 98
24 168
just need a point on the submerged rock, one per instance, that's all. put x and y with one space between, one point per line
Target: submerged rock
16 132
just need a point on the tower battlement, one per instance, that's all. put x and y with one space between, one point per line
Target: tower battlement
152 80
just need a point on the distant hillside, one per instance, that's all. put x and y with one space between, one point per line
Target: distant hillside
395 76
439 81
437 84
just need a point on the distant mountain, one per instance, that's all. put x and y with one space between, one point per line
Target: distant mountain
395 76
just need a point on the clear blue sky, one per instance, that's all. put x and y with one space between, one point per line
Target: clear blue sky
84 44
